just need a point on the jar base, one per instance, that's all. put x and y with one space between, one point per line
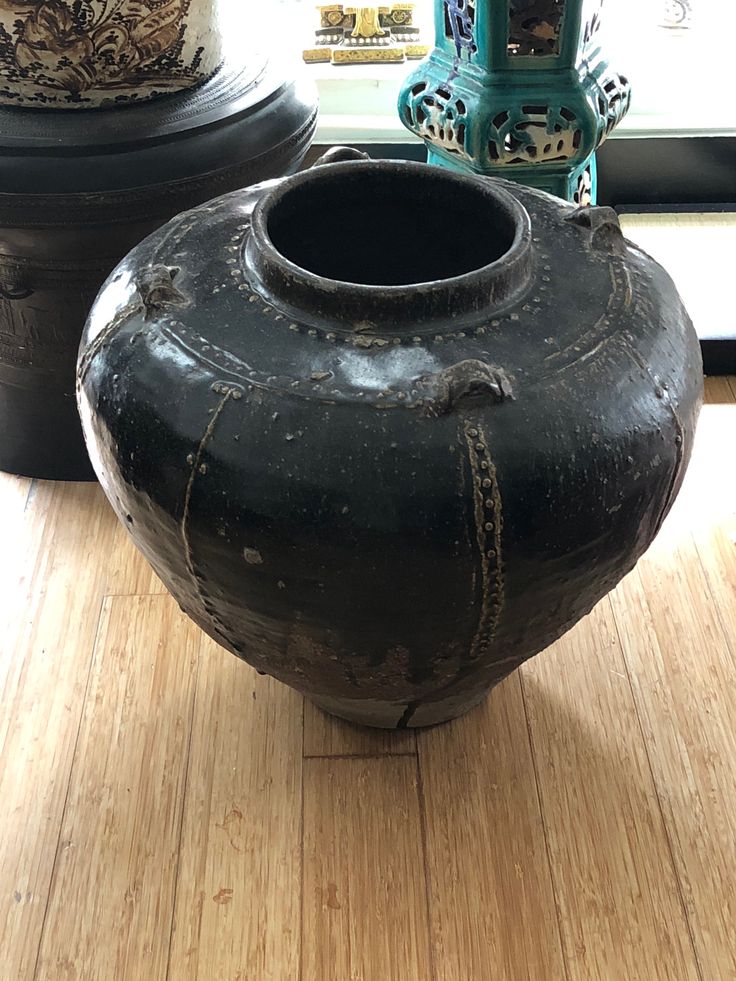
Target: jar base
378 714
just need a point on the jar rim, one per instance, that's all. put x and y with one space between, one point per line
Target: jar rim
485 289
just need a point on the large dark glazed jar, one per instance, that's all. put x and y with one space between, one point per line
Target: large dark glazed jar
86 173
386 431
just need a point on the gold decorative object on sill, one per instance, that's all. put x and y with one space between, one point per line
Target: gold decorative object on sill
362 33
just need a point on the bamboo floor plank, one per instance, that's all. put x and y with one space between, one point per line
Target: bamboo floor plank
18 553
676 614
238 899
112 895
621 911
365 912
718 389
492 904
67 555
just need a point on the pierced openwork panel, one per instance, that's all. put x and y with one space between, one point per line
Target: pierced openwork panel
583 194
535 133
534 27
439 118
614 101
539 91
460 26
592 13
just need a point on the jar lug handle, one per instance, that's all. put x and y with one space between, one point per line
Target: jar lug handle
340 154
602 223
470 380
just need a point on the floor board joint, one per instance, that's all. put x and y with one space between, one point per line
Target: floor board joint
182 812
545 832
72 768
425 860
660 808
359 756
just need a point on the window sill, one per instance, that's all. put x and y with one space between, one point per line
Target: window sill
358 105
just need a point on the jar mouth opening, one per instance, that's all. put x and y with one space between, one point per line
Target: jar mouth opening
390 246
377 225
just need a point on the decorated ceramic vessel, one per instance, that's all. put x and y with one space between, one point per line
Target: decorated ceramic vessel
520 89
85 53
385 430
79 190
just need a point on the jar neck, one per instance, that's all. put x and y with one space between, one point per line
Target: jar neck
390 246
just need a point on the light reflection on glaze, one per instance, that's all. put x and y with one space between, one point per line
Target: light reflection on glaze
387 369
118 293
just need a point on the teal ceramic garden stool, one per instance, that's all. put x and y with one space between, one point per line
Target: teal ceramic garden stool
518 89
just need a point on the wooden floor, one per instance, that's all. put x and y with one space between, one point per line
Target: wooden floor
167 813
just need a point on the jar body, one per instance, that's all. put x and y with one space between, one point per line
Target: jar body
392 516
59 54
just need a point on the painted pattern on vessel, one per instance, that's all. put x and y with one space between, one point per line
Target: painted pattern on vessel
84 53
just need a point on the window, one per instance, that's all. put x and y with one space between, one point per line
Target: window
669 49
